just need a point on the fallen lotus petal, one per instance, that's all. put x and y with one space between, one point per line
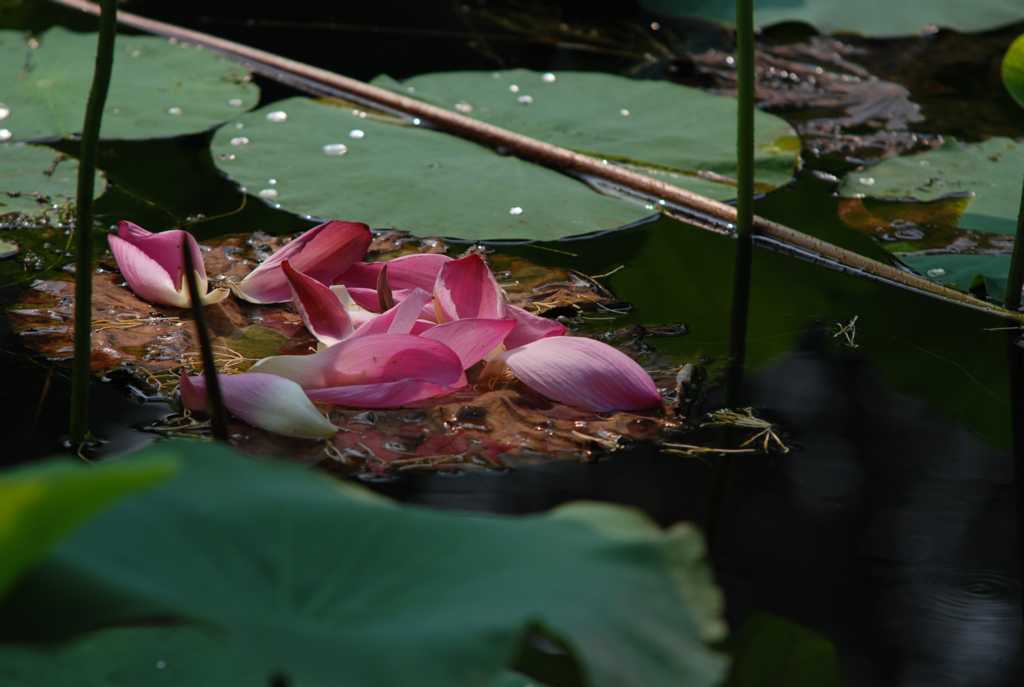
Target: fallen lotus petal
369 300
322 253
400 319
371 359
385 395
466 288
584 373
153 265
530 327
472 339
416 271
266 401
321 311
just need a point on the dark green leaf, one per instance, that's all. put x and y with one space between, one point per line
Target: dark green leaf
771 651
868 17
38 182
157 88
274 571
39 505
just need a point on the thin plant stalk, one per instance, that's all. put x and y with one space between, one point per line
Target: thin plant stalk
744 247
744 198
79 422
1015 279
214 399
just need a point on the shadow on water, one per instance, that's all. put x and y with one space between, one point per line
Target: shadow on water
890 527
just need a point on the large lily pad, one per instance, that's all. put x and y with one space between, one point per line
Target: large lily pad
37 182
157 89
653 124
407 177
41 504
967 272
1013 70
294 579
868 17
988 173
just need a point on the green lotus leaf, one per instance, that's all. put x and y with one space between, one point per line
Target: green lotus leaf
267 573
867 17
157 89
38 182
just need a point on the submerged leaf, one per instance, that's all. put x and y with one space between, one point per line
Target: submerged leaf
38 182
157 88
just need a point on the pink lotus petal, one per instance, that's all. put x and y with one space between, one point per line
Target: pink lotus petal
145 276
370 359
471 339
153 266
356 313
323 314
398 320
266 401
584 373
466 288
530 327
416 271
386 395
322 253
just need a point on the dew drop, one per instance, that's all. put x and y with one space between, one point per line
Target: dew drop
277 116
463 107
867 181
240 141
227 156
655 26
416 121
648 206
514 88
239 125
175 110
235 102
935 272
662 202
730 60
272 182
335 149
33 43
549 77
515 210
525 99
5 112
5 135
357 134
136 53
624 112
268 193
161 664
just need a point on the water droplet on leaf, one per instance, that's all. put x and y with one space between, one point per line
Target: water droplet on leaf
548 77
515 211
268 193
514 88
5 112
463 107
235 102
6 135
335 149
624 112
277 116
240 141
525 99
175 110
357 134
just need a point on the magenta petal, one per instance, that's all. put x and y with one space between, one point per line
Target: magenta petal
322 253
386 395
322 312
266 401
471 339
401 319
530 327
370 359
145 276
165 248
584 373
416 271
466 288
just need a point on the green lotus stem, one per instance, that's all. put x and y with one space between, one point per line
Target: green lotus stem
79 426
744 250
214 400
1015 280
744 197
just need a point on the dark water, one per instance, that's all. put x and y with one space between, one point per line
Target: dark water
891 526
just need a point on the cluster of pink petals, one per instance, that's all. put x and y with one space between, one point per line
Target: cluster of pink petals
448 315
